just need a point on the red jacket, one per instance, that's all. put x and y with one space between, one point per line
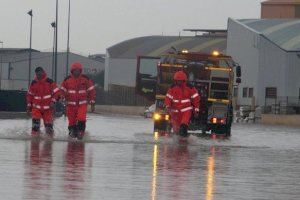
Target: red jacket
182 98
78 91
42 93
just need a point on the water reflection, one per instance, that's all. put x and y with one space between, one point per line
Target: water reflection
154 172
171 164
38 170
176 169
210 175
74 177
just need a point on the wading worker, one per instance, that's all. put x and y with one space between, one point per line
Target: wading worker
79 91
182 100
41 97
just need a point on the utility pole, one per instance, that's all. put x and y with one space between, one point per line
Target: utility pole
55 65
53 49
68 43
1 42
30 46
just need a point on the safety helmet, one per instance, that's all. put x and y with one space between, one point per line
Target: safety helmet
76 65
180 76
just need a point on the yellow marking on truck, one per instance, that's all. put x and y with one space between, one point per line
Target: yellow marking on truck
219 68
219 100
171 65
160 96
145 90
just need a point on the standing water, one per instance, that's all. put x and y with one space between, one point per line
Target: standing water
121 159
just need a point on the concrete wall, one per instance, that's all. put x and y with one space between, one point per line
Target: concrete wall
14 85
242 45
287 120
120 72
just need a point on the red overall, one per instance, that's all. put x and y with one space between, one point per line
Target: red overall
78 92
182 100
41 94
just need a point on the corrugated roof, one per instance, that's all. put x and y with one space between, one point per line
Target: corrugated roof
15 50
283 32
158 45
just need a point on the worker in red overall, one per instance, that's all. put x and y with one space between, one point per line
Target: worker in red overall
41 97
181 101
79 91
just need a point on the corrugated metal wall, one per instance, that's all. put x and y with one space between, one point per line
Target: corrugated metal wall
242 45
264 64
120 72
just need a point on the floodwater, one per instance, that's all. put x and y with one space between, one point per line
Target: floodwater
121 159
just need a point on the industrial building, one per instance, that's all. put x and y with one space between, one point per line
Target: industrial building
15 66
121 59
286 9
269 52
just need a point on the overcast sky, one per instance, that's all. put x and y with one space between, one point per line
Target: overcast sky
98 24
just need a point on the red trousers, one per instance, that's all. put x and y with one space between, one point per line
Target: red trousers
179 118
76 114
46 115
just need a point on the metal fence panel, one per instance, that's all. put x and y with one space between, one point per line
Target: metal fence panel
282 105
119 95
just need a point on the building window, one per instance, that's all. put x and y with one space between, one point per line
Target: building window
245 92
271 92
235 92
250 93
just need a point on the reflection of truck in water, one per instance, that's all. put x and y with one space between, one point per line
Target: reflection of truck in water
212 75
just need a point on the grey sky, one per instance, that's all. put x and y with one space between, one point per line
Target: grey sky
96 24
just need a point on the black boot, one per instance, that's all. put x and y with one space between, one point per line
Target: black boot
81 129
183 131
73 131
35 127
49 129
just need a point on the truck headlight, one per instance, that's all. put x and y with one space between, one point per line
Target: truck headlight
214 120
167 117
156 116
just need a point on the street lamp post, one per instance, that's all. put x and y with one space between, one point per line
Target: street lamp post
68 43
30 44
53 24
56 36
1 42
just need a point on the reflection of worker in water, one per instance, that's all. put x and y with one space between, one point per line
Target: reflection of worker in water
38 169
74 170
174 161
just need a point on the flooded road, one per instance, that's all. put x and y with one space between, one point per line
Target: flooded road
122 160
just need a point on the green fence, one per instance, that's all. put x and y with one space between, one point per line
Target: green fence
13 100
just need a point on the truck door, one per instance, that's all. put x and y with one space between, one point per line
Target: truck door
146 78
